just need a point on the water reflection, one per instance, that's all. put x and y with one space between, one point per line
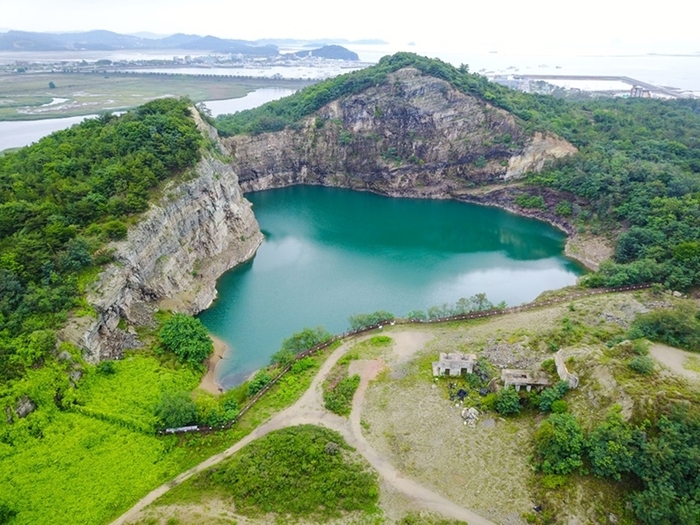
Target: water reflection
330 253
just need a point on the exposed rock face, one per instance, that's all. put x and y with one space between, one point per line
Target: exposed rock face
199 229
415 135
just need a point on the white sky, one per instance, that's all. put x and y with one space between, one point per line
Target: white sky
623 25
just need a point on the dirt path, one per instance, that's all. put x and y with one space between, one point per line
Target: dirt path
674 358
309 410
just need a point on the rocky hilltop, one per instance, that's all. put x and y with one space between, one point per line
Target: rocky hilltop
414 135
197 230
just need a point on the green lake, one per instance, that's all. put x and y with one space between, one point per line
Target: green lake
330 253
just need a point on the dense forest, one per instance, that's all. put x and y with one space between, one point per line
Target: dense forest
62 199
638 164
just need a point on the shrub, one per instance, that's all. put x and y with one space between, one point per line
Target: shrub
6 513
609 447
176 409
302 471
106 368
187 338
552 394
549 366
563 209
640 347
530 201
559 445
507 401
339 398
259 381
560 406
677 326
642 365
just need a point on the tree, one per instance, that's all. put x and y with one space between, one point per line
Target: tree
559 445
360 321
299 342
176 409
52 85
187 338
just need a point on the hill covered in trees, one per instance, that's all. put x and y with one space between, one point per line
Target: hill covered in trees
62 199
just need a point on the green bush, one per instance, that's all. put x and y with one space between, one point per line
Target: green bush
549 366
563 209
176 409
507 401
530 201
260 380
187 338
642 364
559 445
610 447
106 368
549 395
6 513
678 326
560 406
338 399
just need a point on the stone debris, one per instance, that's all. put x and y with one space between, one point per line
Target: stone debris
470 416
504 355
25 406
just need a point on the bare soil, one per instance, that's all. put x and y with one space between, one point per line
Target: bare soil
674 359
209 383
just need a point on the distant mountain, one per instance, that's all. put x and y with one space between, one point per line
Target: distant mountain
296 42
109 41
333 52
150 36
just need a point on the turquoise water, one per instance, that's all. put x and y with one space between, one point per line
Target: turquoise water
330 253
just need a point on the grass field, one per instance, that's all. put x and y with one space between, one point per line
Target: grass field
28 96
88 464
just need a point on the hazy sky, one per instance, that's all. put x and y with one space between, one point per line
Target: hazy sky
553 25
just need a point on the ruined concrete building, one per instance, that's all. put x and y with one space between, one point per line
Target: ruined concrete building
524 378
538 380
564 374
454 364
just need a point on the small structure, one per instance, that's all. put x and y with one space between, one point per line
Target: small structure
454 364
524 378
564 374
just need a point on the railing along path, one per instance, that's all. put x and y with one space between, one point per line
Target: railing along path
339 337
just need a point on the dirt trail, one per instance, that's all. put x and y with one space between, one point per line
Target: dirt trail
674 358
309 410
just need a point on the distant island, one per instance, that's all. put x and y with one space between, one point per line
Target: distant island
332 52
100 40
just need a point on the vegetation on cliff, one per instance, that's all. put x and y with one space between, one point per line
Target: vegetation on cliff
62 199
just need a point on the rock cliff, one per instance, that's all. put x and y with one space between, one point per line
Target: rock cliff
171 259
415 135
